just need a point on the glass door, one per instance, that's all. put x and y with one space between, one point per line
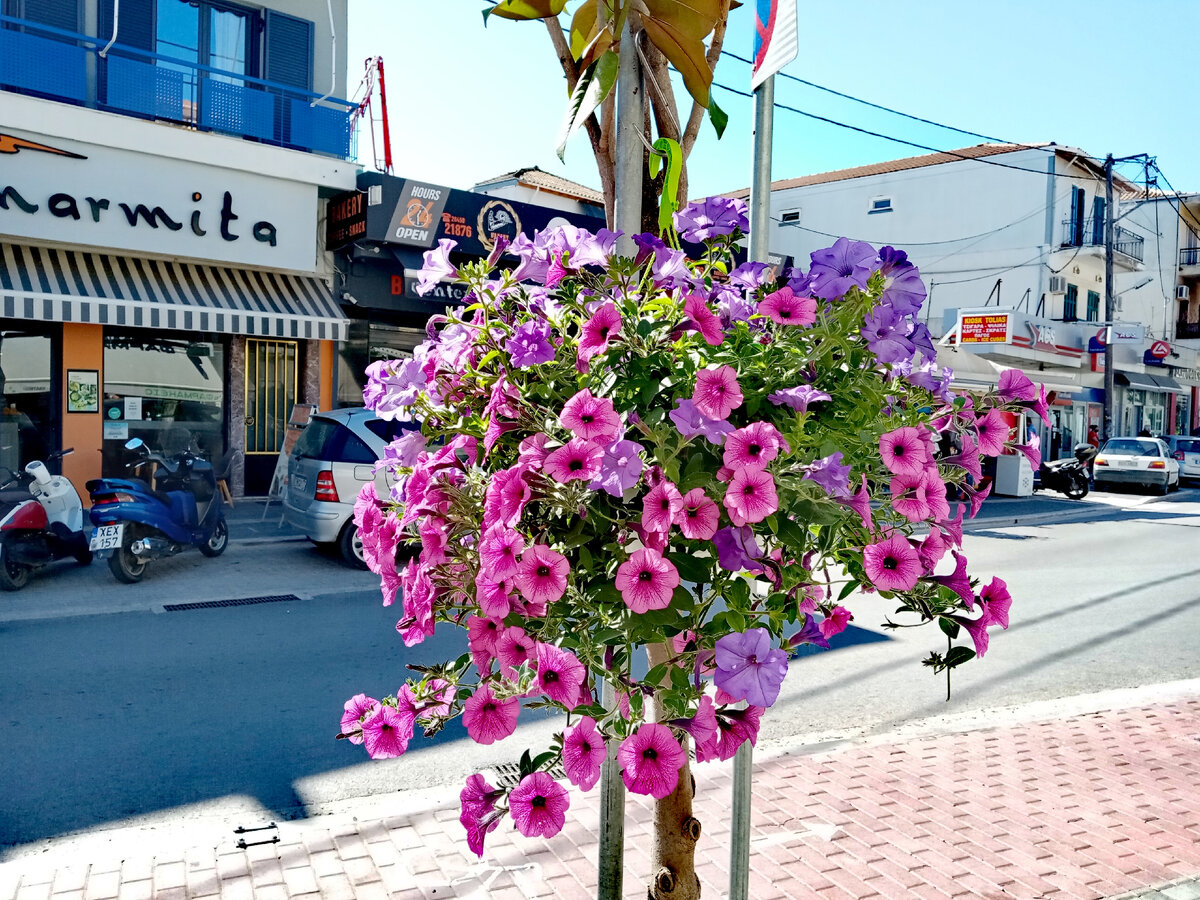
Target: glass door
272 376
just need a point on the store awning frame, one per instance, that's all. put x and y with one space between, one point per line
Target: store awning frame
975 372
50 284
1146 381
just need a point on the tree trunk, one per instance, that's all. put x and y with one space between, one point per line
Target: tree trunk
676 830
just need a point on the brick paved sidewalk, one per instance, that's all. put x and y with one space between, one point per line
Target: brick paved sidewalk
1088 806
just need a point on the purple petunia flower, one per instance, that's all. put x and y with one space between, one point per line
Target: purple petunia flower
530 345
437 266
882 330
798 397
830 474
903 289
620 469
737 549
838 268
690 422
749 668
711 217
750 275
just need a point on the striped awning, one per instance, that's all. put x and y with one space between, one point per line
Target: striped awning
52 285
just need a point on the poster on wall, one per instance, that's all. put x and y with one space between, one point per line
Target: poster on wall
977 327
83 390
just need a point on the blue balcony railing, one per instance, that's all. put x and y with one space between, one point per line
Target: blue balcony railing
1189 256
1085 233
57 64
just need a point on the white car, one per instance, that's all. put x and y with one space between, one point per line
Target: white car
1145 461
1187 451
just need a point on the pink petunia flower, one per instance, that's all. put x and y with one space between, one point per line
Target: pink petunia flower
560 674
597 332
539 805
735 727
583 752
499 551
647 580
1015 385
702 727
783 307
717 393
386 733
703 320
591 418
650 760
860 502
542 575
993 432
440 694
835 623
514 647
750 496
935 495
903 451
892 564
908 496
479 814
532 450
356 708
494 597
506 496
489 719
996 602
932 549
576 460
482 635
661 507
958 581
753 446
700 516
977 629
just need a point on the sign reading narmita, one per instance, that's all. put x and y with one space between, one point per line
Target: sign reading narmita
976 327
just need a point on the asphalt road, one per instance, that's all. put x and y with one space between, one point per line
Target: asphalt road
110 714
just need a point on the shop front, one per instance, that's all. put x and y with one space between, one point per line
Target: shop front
160 299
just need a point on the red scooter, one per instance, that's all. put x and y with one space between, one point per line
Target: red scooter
41 520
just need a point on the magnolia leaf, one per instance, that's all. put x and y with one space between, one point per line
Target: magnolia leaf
685 53
584 27
590 90
522 10
693 18
717 116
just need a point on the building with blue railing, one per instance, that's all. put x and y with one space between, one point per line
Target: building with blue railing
164 167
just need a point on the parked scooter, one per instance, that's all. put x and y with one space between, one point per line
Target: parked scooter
41 520
138 521
1070 475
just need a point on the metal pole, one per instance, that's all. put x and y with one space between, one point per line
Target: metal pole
1110 383
627 217
760 239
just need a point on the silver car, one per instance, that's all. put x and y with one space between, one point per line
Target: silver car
1187 451
334 457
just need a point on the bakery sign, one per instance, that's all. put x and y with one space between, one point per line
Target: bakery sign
984 326
111 197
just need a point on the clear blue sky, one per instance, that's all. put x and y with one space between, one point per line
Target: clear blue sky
468 103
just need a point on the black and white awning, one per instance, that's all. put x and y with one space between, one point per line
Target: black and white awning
54 285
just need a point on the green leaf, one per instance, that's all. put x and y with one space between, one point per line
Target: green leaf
949 626
850 588
737 595
585 558
526 765
959 655
693 568
541 759
679 678
718 116
791 533
590 90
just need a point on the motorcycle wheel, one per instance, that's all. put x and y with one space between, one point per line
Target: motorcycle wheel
13 575
1077 488
217 542
126 567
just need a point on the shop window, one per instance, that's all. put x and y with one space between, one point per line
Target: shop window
28 419
170 392
368 342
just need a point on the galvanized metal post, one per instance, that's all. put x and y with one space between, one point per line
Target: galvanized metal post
760 228
1110 304
627 217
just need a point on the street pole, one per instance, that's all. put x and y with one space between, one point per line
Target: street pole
1110 382
760 238
627 217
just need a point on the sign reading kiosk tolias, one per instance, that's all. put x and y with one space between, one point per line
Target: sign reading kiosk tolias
983 327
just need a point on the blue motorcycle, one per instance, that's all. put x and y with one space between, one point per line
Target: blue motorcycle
138 520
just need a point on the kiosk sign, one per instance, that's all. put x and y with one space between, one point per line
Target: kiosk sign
975 327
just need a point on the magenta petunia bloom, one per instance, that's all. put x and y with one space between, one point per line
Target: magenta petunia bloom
506 496
903 451
748 668
703 725
583 752
499 551
482 635
958 581
356 708
513 648
592 418
495 598
661 507
386 733
753 446
993 432
977 629
650 760
996 602
892 564
488 719
1015 385
935 495
908 496
734 728
717 393
860 502
932 549
783 307
700 516
703 320
539 805
751 496
835 623
647 580
576 460
560 674
597 332
479 814
542 576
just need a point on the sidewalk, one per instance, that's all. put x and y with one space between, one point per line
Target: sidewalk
1087 805
255 520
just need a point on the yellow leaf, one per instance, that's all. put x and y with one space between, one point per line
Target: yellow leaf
692 18
597 48
686 54
583 28
525 9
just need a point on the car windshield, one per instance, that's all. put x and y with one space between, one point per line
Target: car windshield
1187 446
1131 448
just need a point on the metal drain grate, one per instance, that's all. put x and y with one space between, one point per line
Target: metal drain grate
240 601
509 774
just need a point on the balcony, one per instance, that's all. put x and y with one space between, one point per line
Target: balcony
1187 330
1189 261
1090 233
65 66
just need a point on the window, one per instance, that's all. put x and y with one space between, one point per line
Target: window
880 205
388 430
1069 303
1093 307
1074 235
28 399
62 14
347 447
790 217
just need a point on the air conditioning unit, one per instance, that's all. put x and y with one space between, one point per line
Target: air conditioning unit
1183 292
1058 284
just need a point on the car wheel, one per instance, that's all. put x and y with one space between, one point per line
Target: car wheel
350 546
1162 489
13 575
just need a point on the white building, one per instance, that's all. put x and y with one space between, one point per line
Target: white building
1020 228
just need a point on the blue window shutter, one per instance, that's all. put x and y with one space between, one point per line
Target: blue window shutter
288 52
136 28
62 14
1076 216
1098 220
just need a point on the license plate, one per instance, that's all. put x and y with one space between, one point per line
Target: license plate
106 537
299 482
1123 462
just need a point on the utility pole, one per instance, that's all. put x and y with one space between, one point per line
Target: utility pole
1110 311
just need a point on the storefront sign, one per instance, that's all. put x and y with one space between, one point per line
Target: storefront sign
416 214
345 219
984 328
1157 354
131 202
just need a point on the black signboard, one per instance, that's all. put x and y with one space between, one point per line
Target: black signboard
345 220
